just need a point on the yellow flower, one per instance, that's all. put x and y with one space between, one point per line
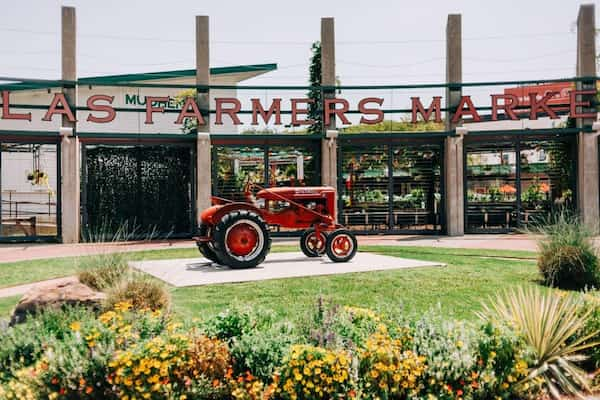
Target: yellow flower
75 326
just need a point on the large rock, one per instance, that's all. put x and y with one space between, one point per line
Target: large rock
54 296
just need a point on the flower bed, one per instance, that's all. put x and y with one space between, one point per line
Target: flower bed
338 353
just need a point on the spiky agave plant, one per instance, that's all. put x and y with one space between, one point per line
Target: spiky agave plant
549 323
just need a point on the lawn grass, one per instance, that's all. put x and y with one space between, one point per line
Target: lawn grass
21 272
470 277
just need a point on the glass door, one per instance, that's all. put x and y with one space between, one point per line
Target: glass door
28 190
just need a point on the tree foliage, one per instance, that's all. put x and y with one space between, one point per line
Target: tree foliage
315 93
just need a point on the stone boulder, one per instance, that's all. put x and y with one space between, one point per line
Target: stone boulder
54 296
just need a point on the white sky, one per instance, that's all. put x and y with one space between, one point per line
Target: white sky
378 42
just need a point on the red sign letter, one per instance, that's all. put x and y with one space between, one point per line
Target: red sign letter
418 107
186 113
151 109
296 111
232 112
339 112
543 103
257 108
370 111
574 104
110 112
507 106
6 114
59 99
471 110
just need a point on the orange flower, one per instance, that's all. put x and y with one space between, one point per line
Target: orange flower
507 189
544 187
54 381
89 389
216 383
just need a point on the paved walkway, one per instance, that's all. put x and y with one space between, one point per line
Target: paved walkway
22 252
200 271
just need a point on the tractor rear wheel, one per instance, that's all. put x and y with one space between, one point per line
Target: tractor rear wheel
312 243
241 239
341 245
206 248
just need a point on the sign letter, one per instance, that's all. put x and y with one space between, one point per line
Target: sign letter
543 104
6 114
574 104
232 112
470 110
296 111
370 111
339 112
187 113
59 100
507 106
257 108
418 107
150 100
110 112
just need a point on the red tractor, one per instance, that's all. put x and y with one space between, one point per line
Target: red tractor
237 234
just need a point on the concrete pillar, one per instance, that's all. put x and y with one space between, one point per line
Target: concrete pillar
588 194
453 149
329 142
203 146
70 168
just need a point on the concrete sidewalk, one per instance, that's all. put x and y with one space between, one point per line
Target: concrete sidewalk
200 271
32 251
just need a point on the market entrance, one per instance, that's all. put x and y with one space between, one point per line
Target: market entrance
513 181
391 184
147 189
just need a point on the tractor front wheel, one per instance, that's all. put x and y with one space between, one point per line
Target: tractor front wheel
241 239
341 245
312 243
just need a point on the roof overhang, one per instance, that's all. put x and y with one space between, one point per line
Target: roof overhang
218 76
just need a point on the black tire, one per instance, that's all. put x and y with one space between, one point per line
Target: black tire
205 248
341 245
305 245
254 224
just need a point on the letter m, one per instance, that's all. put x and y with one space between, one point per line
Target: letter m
417 106
130 99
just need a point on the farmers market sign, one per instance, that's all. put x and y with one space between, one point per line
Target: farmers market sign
511 105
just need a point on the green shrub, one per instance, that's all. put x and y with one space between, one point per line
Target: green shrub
470 362
567 258
591 305
237 321
142 292
547 322
103 271
333 326
261 352
23 344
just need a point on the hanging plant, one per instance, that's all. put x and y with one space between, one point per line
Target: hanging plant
38 177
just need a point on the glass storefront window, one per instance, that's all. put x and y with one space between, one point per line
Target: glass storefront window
491 186
391 187
365 195
504 192
292 166
416 187
236 166
28 190
547 178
